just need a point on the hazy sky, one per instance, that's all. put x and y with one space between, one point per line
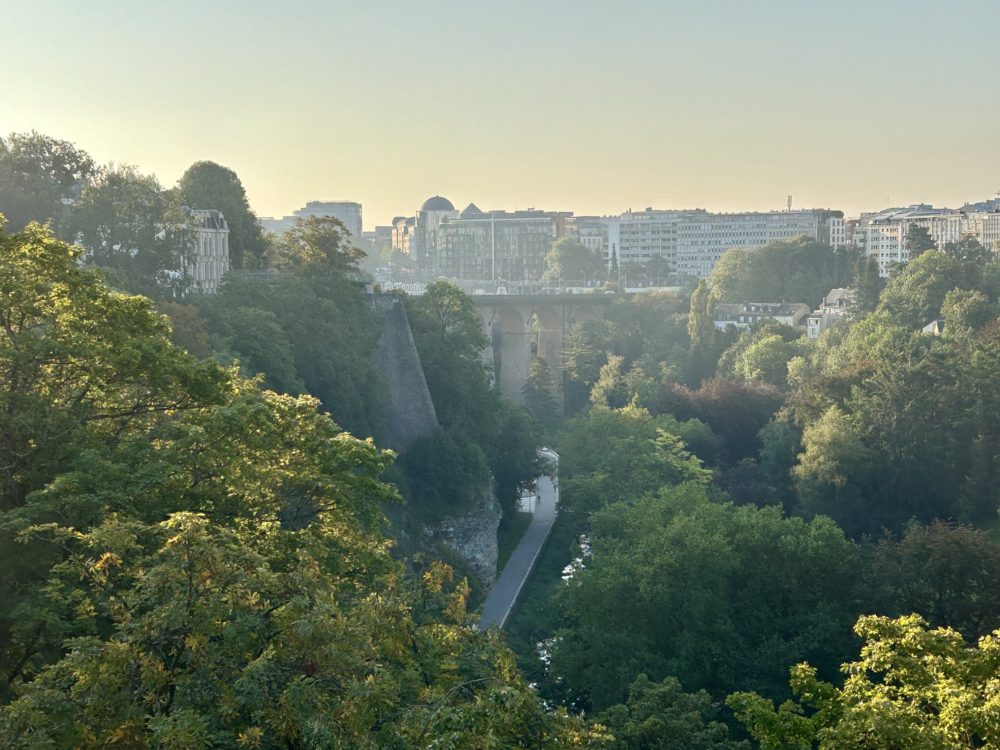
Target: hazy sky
593 107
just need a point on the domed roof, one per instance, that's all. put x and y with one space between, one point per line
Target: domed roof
437 203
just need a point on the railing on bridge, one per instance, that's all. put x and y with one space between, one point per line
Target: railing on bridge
521 288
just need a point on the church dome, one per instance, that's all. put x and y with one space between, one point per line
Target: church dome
437 203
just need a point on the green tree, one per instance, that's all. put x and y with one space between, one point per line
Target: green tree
965 312
918 241
866 285
318 242
134 231
610 391
949 574
570 260
207 185
84 375
911 687
970 251
761 355
612 455
37 174
798 270
539 392
188 561
915 295
661 716
719 596
704 336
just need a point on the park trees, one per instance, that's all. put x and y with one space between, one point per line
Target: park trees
912 687
661 716
716 595
570 260
318 242
189 561
134 231
798 270
613 455
37 173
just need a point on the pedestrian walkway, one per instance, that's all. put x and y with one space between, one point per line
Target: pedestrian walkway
503 596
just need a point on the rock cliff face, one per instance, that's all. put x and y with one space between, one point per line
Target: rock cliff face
473 536
410 415
409 412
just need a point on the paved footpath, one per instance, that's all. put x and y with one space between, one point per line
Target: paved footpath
503 596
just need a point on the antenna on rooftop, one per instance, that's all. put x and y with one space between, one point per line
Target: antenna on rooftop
789 203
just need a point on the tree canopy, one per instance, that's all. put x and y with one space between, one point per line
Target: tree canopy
207 185
190 561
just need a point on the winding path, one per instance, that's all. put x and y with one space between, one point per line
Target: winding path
503 596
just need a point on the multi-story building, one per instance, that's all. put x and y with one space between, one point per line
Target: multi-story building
689 242
703 237
208 261
348 212
497 245
591 231
883 235
424 240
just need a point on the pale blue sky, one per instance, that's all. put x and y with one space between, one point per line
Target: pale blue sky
584 106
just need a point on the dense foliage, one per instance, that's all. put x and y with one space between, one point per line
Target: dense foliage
192 562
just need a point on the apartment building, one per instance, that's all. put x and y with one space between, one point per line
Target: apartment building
209 260
882 235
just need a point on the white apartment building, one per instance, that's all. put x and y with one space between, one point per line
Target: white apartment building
702 238
882 235
692 241
209 260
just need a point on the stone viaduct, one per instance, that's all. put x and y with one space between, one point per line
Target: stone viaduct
521 327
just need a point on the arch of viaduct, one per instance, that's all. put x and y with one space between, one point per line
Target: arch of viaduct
521 328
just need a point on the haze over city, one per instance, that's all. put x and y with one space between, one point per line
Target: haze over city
578 106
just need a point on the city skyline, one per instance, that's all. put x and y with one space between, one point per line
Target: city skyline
719 106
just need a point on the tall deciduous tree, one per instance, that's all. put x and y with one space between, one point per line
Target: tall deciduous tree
190 562
539 392
716 595
37 174
570 261
911 688
133 230
318 242
207 185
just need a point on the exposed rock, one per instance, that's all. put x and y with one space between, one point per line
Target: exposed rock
473 535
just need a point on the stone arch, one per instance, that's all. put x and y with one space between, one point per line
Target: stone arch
582 313
511 351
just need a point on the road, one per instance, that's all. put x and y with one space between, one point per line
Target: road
503 596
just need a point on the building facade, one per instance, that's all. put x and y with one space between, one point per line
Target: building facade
702 237
748 314
690 242
883 235
208 261
497 245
